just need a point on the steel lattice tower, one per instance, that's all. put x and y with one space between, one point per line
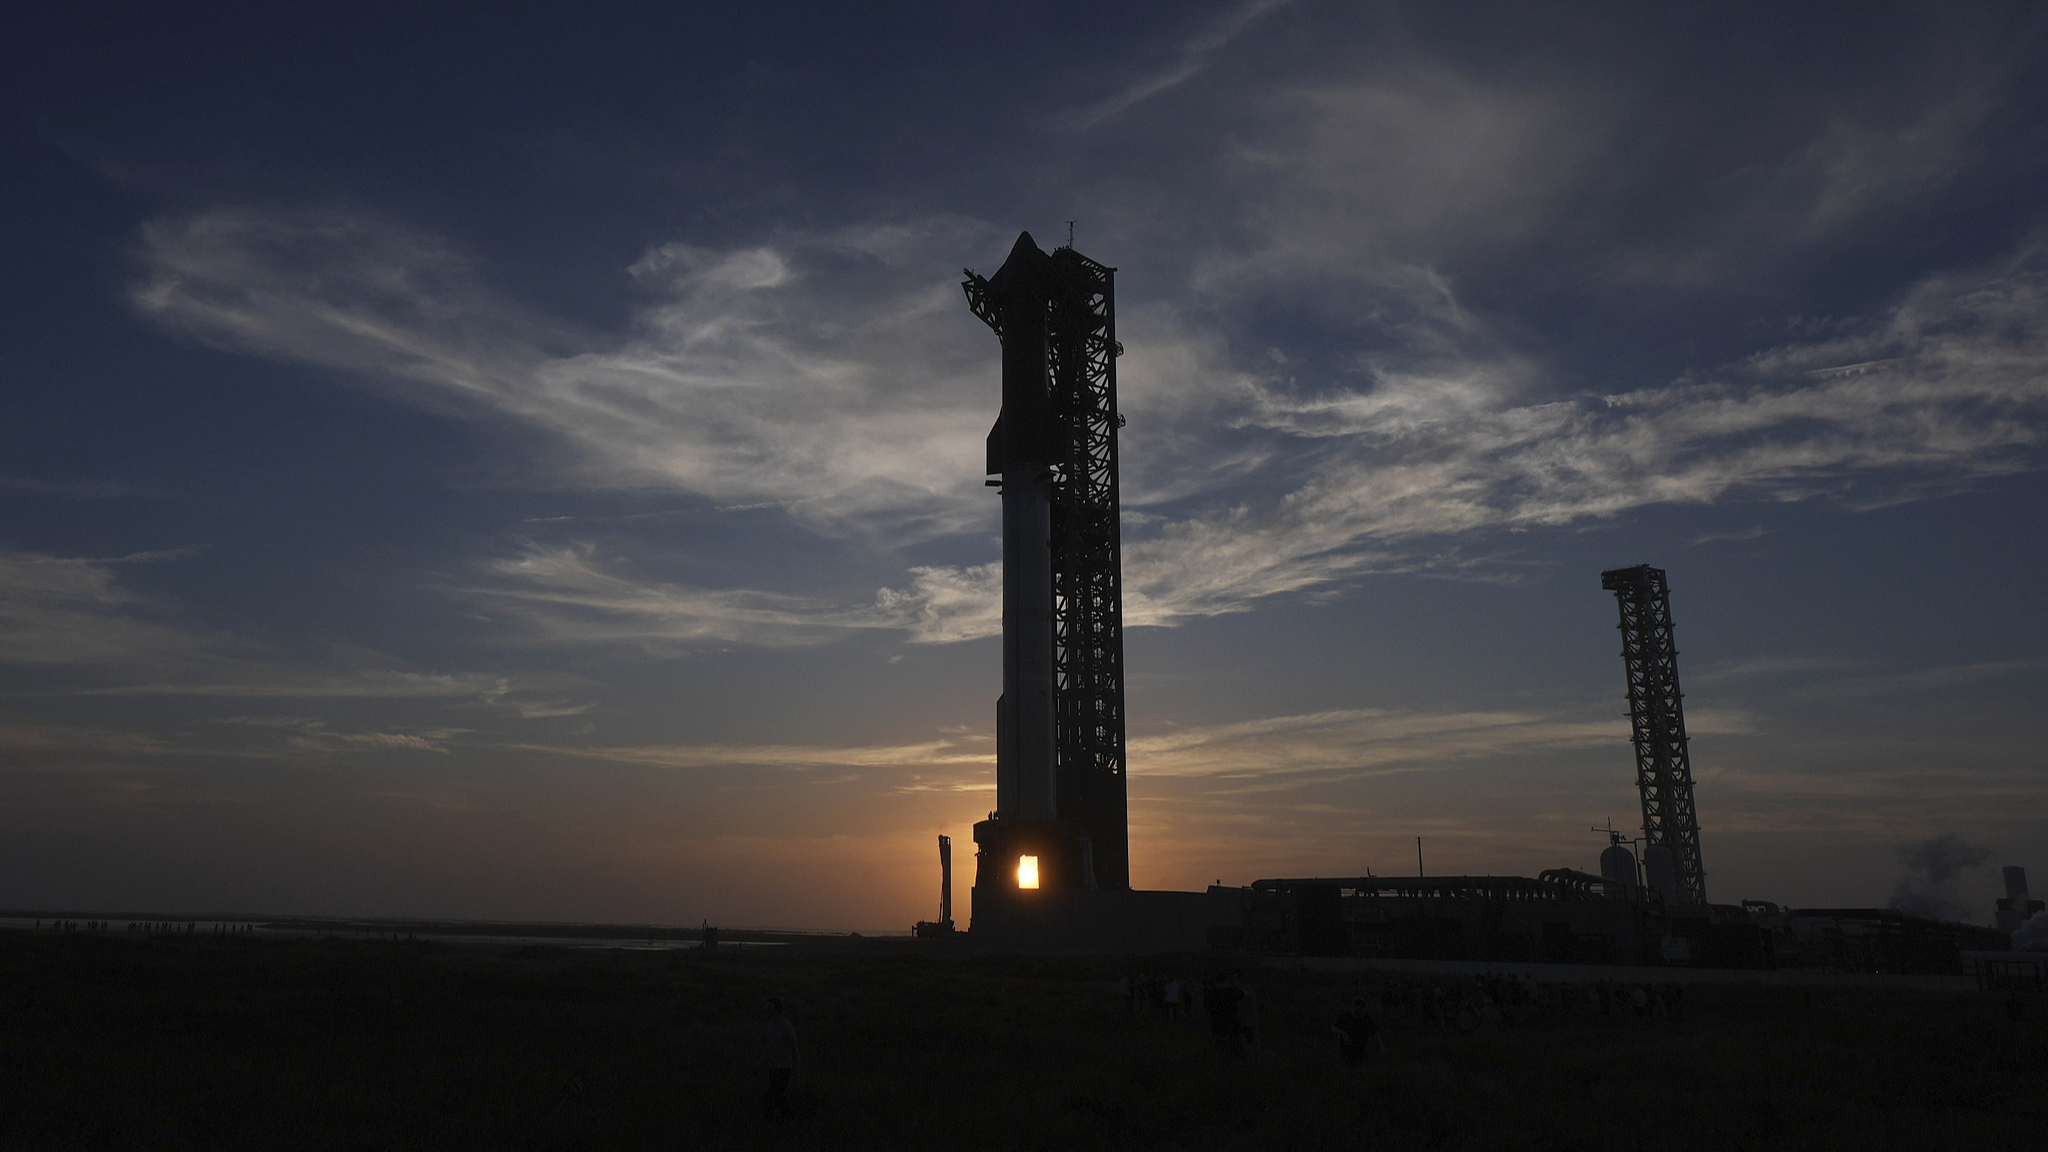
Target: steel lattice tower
1657 715
1081 423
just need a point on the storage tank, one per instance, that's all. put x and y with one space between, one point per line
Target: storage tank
1619 865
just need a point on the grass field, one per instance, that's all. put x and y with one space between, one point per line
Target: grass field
197 1042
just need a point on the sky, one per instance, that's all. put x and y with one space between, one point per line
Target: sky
528 466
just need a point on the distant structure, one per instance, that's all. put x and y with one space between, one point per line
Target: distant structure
2016 906
1061 818
1617 863
1671 827
943 926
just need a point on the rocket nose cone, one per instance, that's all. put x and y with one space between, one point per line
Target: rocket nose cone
1023 264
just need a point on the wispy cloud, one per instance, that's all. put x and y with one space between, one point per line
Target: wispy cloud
568 594
1193 56
1861 163
857 400
1348 187
571 594
300 683
969 751
56 738
1833 677
944 605
78 489
1352 741
59 610
1950 386
312 734
1929 680
1766 666
836 376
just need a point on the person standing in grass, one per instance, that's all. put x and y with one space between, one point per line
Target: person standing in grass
1220 999
1233 1017
780 1060
1357 1035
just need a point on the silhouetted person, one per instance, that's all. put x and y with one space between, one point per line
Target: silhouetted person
1357 1033
780 1060
1228 1003
1248 1014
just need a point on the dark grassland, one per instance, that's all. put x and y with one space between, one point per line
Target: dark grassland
196 1042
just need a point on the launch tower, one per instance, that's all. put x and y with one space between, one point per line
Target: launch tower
1671 828
1060 788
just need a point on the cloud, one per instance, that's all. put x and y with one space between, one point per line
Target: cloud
1193 57
1763 666
310 734
1753 532
1361 740
48 738
1862 162
1826 678
2032 934
945 605
1933 868
78 489
285 734
57 610
934 753
297 683
1323 169
834 375
365 742
1348 187
1928 680
1949 386
568 594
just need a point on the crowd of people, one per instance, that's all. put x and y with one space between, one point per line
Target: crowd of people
1490 1001
1167 997
1484 1002
149 927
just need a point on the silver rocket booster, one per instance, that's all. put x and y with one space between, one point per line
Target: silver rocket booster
1022 447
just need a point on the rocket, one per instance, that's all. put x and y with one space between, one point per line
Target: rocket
1059 722
1021 449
